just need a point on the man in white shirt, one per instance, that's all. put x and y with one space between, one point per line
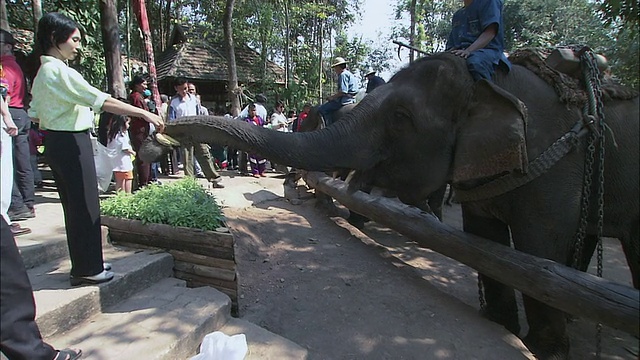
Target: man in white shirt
185 104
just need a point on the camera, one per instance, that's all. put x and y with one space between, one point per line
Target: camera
3 92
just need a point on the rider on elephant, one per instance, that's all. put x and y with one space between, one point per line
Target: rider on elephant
476 35
345 94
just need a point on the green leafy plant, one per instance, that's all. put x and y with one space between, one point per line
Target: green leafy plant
182 203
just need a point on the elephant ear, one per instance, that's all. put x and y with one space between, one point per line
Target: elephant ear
491 140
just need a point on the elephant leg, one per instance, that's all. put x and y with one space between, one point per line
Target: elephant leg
325 202
356 219
500 300
547 338
290 186
589 246
449 196
435 201
631 248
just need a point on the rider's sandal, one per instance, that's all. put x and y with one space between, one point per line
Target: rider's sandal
68 354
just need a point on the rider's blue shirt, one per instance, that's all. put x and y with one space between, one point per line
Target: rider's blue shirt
347 84
470 21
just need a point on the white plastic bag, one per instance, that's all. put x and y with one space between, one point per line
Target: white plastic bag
103 158
219 346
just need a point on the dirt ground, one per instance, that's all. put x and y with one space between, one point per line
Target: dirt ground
345 293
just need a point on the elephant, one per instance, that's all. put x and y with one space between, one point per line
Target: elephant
431 124
315 121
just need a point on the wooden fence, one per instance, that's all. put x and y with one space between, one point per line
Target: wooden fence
559 286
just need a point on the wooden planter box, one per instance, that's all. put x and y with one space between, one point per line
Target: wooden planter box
201 257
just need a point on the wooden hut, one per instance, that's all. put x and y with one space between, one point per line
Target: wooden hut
192 56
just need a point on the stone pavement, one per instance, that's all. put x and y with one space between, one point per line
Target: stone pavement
144 313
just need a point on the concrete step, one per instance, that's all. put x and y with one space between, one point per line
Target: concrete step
263 344
165 321
60 307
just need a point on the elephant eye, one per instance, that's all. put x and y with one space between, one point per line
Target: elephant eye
402 122
402 114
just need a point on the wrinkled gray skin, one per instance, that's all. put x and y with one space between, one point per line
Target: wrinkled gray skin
419 130
314 122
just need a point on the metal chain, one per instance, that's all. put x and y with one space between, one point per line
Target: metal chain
596 107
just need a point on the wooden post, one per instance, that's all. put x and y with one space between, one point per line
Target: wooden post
562 287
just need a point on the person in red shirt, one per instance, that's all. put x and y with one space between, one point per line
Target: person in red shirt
139 128
297 123
12 78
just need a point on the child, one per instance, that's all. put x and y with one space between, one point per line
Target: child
118 141
258 163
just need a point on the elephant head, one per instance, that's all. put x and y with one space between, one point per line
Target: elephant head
430 124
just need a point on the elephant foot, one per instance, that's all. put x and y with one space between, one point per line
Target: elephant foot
357 220
326 204
548 347
509 322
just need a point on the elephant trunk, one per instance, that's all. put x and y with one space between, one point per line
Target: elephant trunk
352 143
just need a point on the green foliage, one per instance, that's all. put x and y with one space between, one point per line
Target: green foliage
624 11
182 203
542 23
91 64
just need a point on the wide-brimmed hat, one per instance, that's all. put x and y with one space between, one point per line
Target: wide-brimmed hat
369 71
339 61
6 37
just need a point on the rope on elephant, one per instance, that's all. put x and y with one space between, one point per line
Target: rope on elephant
567 88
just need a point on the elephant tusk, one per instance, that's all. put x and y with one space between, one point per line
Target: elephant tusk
167 140
352 173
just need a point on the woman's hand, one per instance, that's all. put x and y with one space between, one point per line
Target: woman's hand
156 121
11 129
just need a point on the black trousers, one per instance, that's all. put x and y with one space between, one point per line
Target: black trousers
20 337
23 193
70 156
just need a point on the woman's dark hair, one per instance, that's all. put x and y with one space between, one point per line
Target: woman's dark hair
53 29
137 80
115 126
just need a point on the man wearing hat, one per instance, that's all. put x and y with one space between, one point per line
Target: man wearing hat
12 79
373 80
345 95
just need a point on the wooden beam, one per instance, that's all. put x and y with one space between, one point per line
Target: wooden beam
559 286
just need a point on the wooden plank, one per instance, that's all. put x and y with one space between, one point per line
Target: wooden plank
196 236
205 271
203 260
229 286
559 286
182 244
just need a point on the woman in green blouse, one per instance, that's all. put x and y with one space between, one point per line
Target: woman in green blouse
62 101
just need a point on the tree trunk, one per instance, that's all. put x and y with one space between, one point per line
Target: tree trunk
412 34
232 73
143 21
37 14
111 43
287 45
4 18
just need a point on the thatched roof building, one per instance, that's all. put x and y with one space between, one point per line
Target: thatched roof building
204 63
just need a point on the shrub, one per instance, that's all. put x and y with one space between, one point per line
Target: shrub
182 203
